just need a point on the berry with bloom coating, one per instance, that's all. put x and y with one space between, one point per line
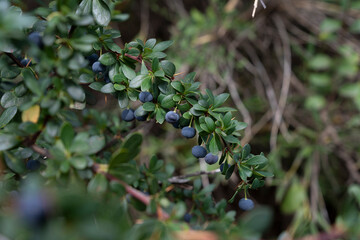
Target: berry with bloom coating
199 151
33 165
211 159
36 39
25 62
187 217
92 58
188 132
145 97
97 67
246 204
128 115
172 117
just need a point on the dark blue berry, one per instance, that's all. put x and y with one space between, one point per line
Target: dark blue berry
128 115
97 67
246 204
172 117
145 97
33 208
211 159
33 165
188 132
25 62
36 39
92 58
199 151
187 217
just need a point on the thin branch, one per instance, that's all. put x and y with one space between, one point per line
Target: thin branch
15 60
185 178
286 81
132 191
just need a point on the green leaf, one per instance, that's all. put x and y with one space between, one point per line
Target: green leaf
294 198
257 160
84 7
128 72
245 151
123 100
244 172
107 59
146 84
229 172
214 146
126 172
15 163
210 124
150 43
128 150
79 162
96 86
161 46
136 82
168 67
330 25
96 143
160 115
220 99
31 82
101 12
177 85
8 141
168 101
108 88
67 135
119 87
320 62
149 106
76 93
98 184
7 115
231 139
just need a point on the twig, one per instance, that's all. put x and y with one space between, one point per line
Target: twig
15 60
286 81
185 178
256 2
132 191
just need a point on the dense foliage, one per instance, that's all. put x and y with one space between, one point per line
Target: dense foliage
71 169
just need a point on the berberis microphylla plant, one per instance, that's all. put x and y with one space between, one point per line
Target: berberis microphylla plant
53 61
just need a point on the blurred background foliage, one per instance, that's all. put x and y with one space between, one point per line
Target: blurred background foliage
293 74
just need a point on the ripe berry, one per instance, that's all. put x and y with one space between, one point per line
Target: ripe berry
33 165
97 67
36 39
188 132
211 159
246 204
128 115
92 58
199 151
172 117
145 97
25 62
187 217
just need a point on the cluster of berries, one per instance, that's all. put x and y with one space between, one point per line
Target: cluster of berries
97 67
190 132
